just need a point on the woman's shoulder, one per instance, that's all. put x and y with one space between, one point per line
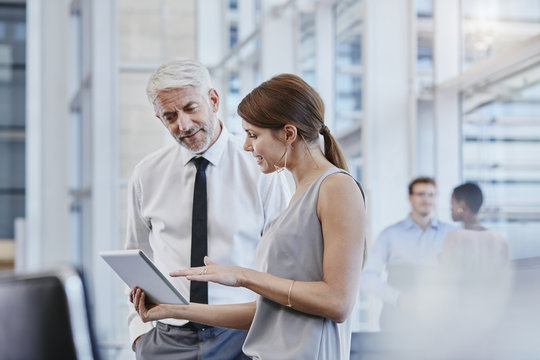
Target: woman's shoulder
339 180
340 186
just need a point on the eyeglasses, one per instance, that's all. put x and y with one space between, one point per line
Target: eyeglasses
425 194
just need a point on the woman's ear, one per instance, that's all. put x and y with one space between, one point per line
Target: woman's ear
463 206
291 132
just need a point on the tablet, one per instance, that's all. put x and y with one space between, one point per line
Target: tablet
136 269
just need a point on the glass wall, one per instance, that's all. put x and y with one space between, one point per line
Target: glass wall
78 185
490 26
424 87
348 64
306 52
501 152
501 122
237 67
424 50
12 116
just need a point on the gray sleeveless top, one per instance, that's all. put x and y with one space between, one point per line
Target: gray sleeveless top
292 248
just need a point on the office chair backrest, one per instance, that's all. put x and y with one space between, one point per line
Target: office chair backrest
45 316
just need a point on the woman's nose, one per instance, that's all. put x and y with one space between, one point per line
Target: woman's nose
247 145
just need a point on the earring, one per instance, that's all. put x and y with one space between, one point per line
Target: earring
279 168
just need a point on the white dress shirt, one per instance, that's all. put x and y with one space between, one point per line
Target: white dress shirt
241 201
404 243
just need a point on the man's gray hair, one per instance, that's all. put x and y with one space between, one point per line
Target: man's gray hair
178 73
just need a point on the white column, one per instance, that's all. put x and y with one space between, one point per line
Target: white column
446 56
386 112
104 159
47 202
277 39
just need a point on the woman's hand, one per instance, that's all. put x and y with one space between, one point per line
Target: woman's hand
147 311
222 274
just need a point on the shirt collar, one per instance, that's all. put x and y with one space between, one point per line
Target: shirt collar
214 153
409 222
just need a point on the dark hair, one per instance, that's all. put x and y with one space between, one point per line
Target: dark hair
287 99
421 180
471 194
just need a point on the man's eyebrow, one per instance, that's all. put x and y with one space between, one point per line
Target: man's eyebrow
189 104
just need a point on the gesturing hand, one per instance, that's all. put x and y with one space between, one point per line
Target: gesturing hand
221 274
147 312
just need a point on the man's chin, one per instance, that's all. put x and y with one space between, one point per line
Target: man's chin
195 148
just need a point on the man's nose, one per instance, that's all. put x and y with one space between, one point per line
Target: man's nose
184 122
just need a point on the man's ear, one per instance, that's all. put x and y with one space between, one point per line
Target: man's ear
214 99
291 133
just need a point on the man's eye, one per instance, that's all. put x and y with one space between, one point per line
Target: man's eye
191 109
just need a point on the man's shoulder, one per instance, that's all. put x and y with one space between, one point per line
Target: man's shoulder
235 143
401 225
445 226
234 151
157 157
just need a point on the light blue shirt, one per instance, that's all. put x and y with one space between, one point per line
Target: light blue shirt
404 243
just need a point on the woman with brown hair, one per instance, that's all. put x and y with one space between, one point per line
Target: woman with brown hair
309 259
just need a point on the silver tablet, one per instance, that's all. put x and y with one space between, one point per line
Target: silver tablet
136 269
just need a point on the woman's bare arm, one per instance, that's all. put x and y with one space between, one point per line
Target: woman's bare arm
233 316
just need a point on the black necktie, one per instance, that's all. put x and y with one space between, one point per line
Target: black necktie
199 229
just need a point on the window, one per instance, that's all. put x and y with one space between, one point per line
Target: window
233 99
348 60
78 188
233 34
489 26
501 148
12 116
424 8
306 56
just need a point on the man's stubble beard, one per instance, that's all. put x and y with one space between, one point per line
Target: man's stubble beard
209 136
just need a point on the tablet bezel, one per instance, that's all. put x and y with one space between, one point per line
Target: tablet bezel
123 262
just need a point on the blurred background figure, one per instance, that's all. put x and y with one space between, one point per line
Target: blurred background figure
405 250
474 245
467 295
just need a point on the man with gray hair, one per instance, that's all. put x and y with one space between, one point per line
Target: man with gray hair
202 195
